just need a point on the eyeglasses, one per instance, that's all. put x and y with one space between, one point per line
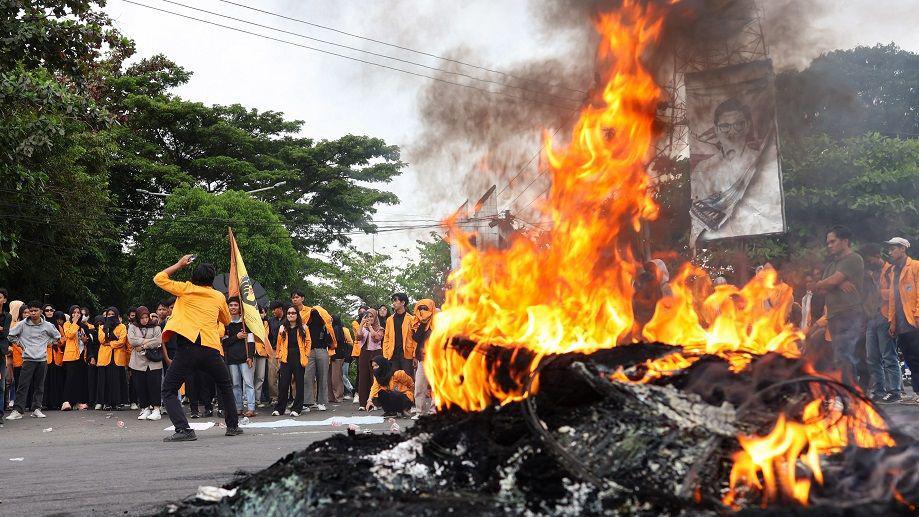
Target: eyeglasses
740 125
291 313
49 310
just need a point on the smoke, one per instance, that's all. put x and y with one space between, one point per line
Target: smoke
470 139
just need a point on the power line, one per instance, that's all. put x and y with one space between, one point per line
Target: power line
359 60
400 47
376 54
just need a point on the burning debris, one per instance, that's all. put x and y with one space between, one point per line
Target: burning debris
586 444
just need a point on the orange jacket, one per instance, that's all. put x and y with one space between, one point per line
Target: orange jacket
389 337
199 311
305 345
326 317
909 293
117 348
355 345
71 338
400 381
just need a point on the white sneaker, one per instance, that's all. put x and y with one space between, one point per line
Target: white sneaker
294 414
320 407
361 408
97 407
144 414
38 414
66 406
15 415
275 413
356 400
155 414
134 407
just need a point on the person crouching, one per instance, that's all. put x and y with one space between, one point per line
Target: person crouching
393 391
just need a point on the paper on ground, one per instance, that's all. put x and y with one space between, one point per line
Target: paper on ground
289 422
213 493
197 426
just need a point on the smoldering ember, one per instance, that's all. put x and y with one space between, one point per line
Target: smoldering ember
697 297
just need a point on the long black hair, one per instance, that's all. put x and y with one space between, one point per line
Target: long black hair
298 325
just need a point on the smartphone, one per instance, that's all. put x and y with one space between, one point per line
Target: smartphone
192 258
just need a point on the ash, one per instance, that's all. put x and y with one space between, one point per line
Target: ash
582 446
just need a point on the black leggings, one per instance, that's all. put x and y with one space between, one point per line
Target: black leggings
147 385
286 372
392 401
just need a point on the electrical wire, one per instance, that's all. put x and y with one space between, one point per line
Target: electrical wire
359 60
375 54
400 47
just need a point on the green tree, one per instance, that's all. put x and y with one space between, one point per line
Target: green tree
426 277
196 221
352 277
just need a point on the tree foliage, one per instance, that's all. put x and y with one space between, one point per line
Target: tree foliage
426 277
195 221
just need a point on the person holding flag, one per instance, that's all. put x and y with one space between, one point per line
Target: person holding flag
197 320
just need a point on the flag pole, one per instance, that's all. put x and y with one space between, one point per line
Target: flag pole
234 250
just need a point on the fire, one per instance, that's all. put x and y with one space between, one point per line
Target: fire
574 294
770 463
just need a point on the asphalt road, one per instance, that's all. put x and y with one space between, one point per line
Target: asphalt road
87 464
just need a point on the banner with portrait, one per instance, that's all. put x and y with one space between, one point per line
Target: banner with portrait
735 175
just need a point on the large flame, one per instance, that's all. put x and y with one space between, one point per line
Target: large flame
574 292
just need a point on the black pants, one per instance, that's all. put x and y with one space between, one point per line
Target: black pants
75 384
199 388
392 401
91 382
189 358
401 363
287 372
365 374
909 347
147 385
32 375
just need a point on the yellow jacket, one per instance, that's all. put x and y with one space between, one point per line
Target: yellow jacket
389 337
117 348
71 336
304 343
326 317
909 293
199 311
355 345
400 381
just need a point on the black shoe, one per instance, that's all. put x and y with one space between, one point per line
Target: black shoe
390 414
890 398
233 431
194 414
187 435
209 413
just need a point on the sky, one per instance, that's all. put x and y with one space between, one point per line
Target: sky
336 96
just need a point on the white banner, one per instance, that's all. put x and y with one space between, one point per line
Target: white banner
735 176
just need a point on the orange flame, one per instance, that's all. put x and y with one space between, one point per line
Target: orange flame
575 292
770 463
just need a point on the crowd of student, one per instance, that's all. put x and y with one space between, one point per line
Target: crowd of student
74 361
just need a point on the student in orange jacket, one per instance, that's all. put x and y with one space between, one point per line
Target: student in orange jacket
324 342
393 390
197 322
111 364
54 380
76 337
293 361
903 308
398 346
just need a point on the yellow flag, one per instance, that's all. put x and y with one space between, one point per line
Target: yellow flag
241 285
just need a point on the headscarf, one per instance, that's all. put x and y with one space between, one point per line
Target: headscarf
138 312
15 306
423 319
383 372
376 320
111 323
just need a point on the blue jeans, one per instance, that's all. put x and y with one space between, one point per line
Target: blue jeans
243 377
846 328
883 362
345 367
